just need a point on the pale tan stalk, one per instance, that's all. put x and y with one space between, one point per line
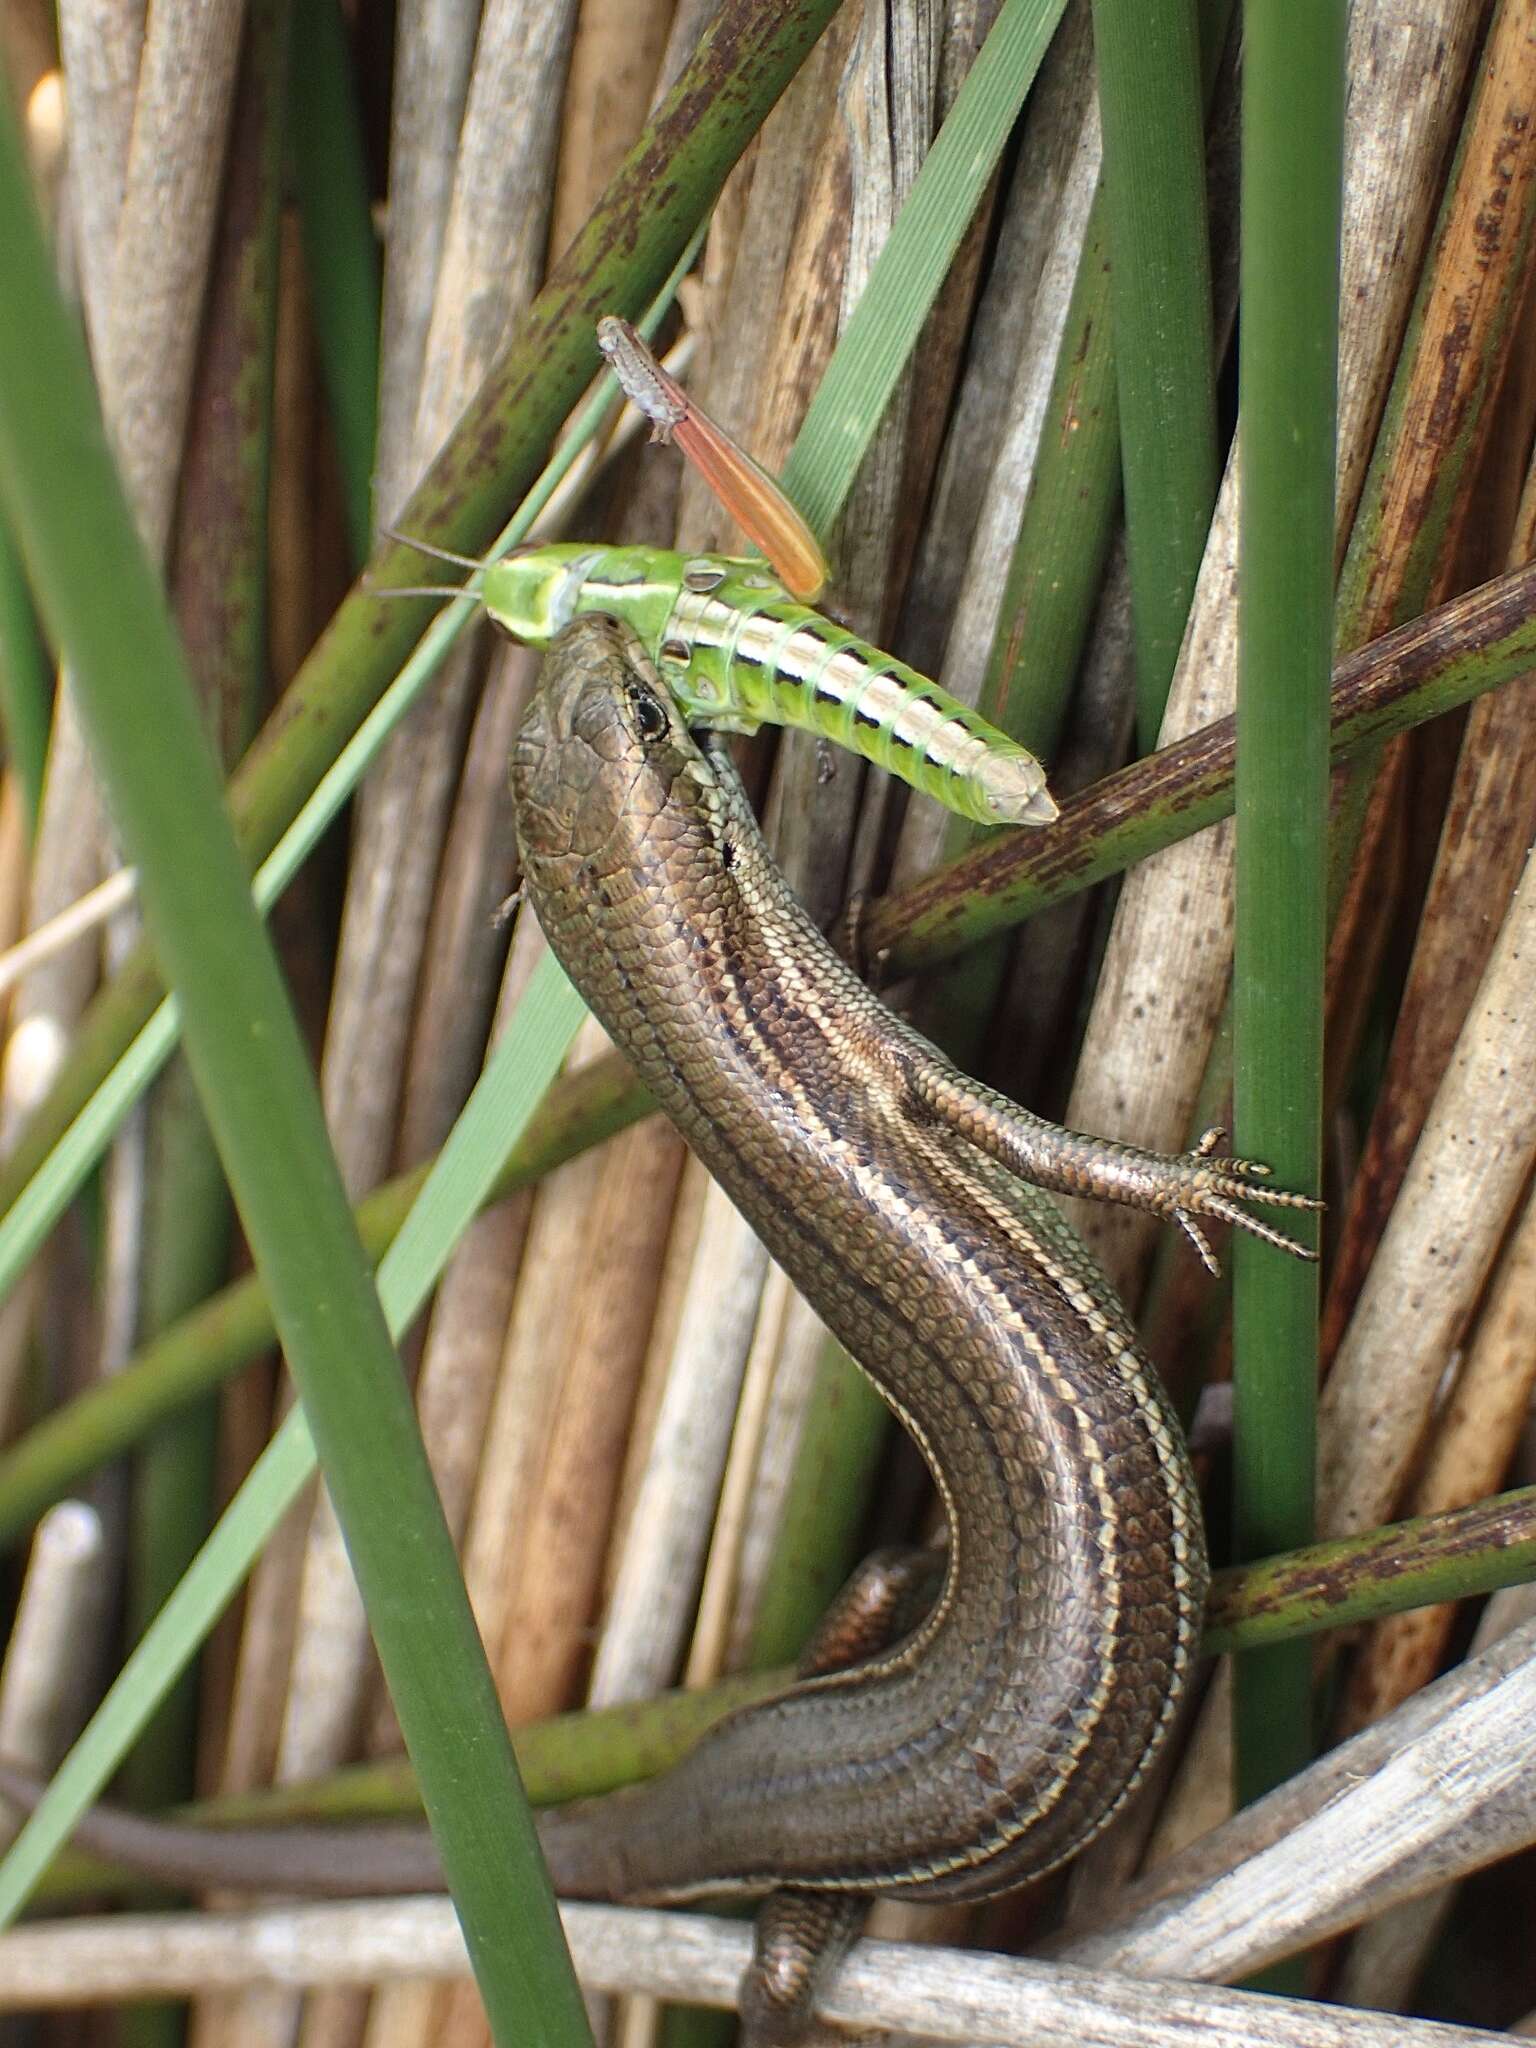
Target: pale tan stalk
616 57
262 1661
787 220
15 859
462 1354
950 1994
401 2013
1389 1952
535 1352
678 1250
658 1576
1474 1438
1437 1789
719 1595
45 1681
564 1531
146 322
460 1367
1468 1170
797 1369
161 251
100 46
427 110
457 1382
493 251
985 475
462 955
336 2016
1489 823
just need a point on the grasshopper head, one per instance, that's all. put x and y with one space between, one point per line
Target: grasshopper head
533 595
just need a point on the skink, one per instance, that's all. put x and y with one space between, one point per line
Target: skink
1003 1732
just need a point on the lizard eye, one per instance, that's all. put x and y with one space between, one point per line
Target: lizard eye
650 715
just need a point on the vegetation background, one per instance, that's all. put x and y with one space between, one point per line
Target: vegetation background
337 271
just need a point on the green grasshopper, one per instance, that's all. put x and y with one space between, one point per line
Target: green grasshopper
737 652
736 644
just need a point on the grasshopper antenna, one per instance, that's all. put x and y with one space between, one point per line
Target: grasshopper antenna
443 591
426 547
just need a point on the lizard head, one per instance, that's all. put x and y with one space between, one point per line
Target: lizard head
602 752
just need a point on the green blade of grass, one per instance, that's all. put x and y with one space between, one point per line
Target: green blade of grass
341 255
1150 98
1293 103
96 589
26 679
1064 538
219 591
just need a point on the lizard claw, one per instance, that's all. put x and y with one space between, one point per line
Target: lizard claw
1200 1241
1221 1193
1211 1142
